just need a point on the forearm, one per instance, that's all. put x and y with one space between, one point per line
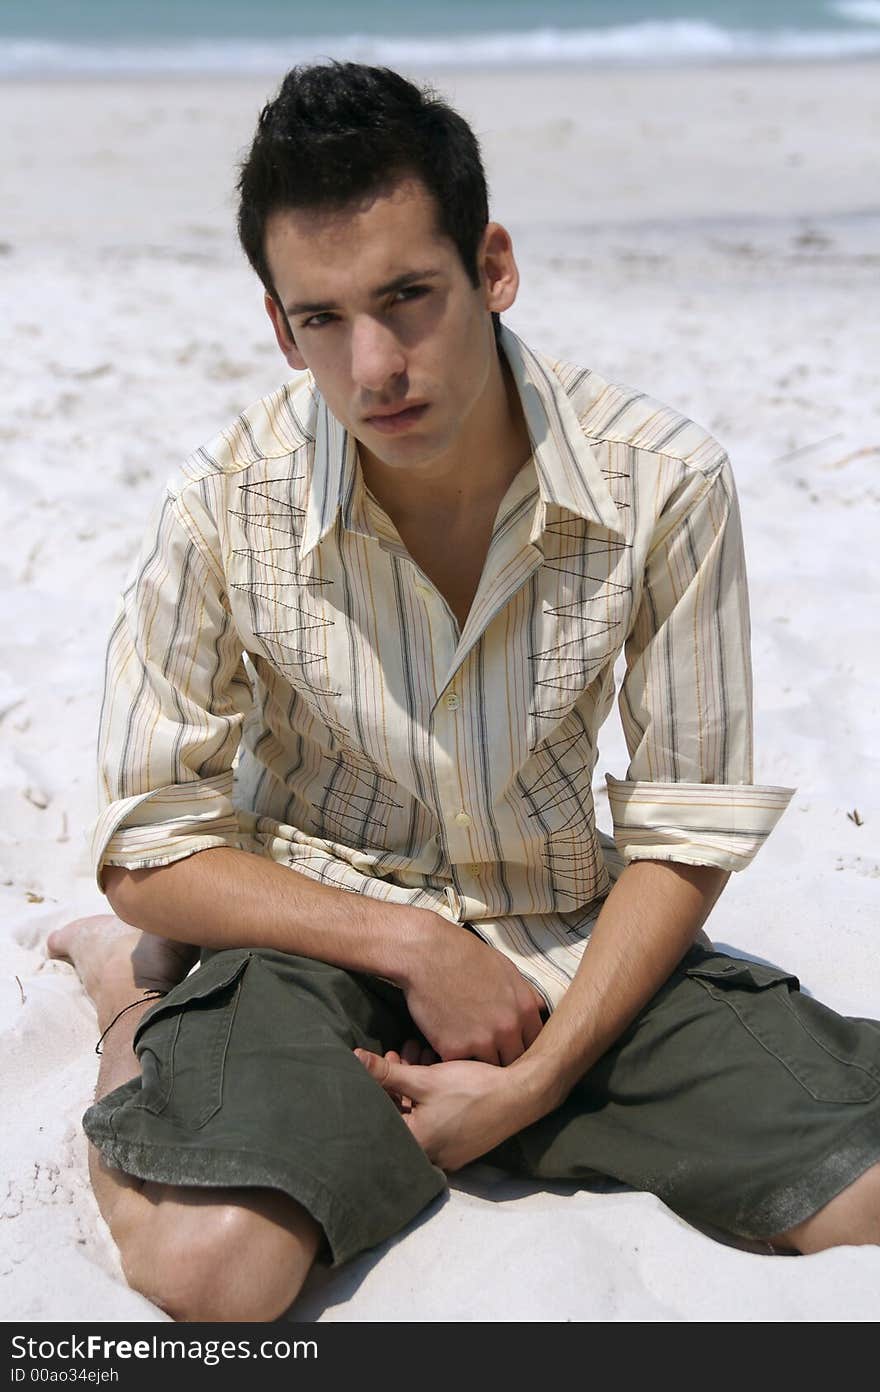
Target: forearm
223 897
647 924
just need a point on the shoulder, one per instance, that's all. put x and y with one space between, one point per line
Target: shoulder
612 413
261 461
278 427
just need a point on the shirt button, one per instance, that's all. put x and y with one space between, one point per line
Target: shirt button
462 819
474 870
453 701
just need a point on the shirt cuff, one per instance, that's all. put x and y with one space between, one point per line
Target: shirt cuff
165 825
721 824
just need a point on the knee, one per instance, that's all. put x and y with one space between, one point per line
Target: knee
226 1264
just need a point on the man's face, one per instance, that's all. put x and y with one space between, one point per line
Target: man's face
382 312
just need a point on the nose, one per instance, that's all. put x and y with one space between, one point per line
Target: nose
376 355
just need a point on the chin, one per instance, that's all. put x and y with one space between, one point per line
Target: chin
407 451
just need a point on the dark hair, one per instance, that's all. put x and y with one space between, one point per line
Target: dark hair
337 133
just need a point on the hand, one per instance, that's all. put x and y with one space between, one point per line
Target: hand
413 1051
458 1110
468 999
158 963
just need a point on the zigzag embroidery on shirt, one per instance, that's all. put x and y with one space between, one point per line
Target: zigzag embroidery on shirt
616 474
570 666
573 874
574 933
586 919
569 853
301 656
299 577
574 606
547 784
564 851
572 673
296 663
277 581
267 589
575 562
262 489
574 528
576 567
270 526
274 521
358 804
570 856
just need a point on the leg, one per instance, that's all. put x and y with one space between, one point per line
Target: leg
174 1242
740 1102
850 1219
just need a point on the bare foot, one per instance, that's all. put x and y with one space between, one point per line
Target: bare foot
110 955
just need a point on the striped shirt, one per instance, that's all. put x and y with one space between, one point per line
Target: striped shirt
282 677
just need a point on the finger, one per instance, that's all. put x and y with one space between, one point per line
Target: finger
401 1078
510 1048
411 1051
532 1026
487 1054
404 1103
401 1103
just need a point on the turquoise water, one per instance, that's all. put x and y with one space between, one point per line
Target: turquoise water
88 36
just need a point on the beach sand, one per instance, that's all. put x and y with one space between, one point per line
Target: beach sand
710 236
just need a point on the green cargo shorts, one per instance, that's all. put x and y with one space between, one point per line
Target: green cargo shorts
739 1101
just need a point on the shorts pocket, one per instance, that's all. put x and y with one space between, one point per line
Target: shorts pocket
834 1058
182 1042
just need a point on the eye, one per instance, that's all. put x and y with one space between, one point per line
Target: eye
410 292
317 321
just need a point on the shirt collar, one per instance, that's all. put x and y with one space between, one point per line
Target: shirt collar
567 470
334 469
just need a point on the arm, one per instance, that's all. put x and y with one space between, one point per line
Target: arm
647 923
224 897
468 1000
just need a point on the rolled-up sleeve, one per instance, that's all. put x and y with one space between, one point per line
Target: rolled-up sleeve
175 695
686 699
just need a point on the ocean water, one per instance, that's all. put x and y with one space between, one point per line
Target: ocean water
56 37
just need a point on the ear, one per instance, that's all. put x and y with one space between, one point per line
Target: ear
498 269
283 335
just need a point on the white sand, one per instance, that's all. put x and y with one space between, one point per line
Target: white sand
710 236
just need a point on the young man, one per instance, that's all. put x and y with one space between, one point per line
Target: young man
395 591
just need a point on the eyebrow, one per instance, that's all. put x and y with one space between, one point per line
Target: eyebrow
398 283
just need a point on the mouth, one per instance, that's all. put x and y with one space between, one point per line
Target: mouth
395 420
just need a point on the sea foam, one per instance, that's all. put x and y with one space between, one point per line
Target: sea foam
669 42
